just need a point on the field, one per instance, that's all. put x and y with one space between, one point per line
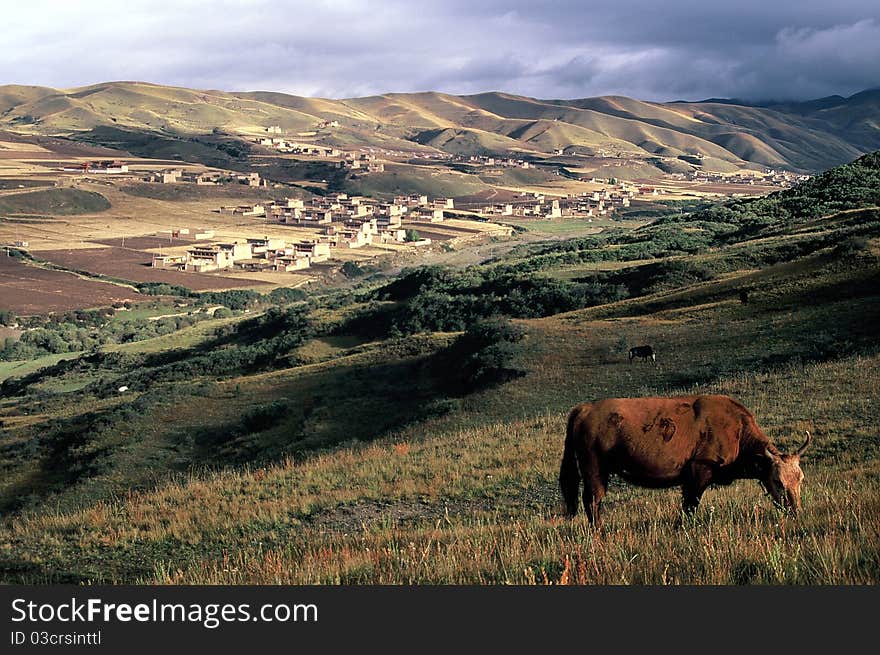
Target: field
29 289
22 183
149 242
134 265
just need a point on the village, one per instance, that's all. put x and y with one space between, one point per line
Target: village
341 221
584 206
295 233
769 176
358 161
338 221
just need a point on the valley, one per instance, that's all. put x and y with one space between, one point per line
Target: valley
403 423
255 338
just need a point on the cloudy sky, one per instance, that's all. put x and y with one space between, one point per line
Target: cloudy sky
648 49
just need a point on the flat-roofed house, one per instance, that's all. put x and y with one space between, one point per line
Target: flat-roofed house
203 259
316 250
428 214
265 245
387 219
237 250
288 263
555 210
161 260
317 216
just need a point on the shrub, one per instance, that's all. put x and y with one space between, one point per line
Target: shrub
352 269
482 355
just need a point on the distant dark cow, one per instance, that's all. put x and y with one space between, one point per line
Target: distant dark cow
687 441
645 352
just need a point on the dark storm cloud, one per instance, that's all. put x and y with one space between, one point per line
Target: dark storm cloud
339 48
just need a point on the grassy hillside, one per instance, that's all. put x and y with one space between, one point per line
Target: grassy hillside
53 202
404 433
800 136
470 495
399 178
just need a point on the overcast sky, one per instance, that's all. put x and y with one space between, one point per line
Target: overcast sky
648 49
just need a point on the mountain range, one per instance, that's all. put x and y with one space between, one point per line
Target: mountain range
721 134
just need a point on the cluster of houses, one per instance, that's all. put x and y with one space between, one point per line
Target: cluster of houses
769 176
362 162
257 254
209 178
584 205
496 162
295 148
784 178
345 221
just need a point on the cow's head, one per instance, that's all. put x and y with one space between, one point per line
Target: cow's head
785 476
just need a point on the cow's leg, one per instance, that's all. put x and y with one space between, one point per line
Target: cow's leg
595 484
696 479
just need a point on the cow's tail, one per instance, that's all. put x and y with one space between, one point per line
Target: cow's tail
569 475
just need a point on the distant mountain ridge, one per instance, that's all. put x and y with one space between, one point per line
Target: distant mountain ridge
723 134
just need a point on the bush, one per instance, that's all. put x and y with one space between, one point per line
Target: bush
286 294
263 417
352 269
852 246
482 355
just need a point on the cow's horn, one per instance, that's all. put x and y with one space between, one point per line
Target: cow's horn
769 453
806 443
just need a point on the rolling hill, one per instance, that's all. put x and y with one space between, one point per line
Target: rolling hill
807 136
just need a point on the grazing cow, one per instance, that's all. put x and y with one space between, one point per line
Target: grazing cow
645 352
687 441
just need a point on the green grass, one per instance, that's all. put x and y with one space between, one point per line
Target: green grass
25 367
143 312
187 337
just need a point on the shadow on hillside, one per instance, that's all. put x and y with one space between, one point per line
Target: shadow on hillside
322 410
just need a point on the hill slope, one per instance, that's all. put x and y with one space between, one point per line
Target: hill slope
806 136
331 441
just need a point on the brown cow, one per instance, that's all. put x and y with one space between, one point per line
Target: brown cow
687 441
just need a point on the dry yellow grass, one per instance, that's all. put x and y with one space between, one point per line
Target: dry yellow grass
479 505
